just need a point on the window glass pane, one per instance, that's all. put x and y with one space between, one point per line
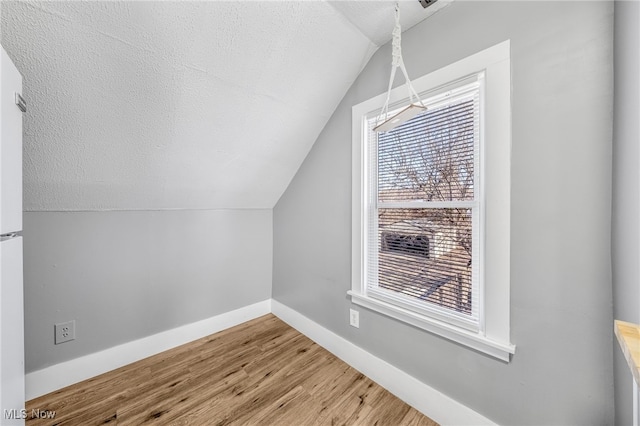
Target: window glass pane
426 254
431 157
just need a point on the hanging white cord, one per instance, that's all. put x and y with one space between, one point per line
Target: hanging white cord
398 62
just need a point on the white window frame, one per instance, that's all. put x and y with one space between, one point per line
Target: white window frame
493 334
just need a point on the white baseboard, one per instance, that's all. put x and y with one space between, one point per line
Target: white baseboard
422 397
57 376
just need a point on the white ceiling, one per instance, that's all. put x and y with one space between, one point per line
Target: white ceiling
182 105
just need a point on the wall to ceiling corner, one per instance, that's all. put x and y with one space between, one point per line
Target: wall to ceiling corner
561 291
158 138
175 105
625 251
127 228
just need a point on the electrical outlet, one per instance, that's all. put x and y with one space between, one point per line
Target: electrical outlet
354 318
65 331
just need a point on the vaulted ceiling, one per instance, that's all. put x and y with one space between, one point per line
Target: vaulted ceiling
182 105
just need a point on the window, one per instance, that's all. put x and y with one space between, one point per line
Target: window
431 205
423 196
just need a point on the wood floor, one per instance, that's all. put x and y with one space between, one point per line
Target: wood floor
260 372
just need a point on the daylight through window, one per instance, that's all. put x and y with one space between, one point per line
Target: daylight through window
430 243
422 232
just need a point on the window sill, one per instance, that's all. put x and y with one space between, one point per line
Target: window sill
477 341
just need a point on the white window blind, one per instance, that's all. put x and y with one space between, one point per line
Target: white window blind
425 205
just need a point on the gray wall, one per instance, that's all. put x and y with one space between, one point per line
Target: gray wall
626 191
124 275
121 274
561 297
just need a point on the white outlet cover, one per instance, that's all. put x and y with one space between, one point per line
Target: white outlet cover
354 318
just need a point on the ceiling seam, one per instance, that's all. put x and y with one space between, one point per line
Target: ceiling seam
352 24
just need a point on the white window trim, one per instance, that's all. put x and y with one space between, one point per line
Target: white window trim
493 338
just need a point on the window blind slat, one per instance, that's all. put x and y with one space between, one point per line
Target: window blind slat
430 157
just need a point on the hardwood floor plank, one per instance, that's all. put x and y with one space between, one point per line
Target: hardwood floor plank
391 412
416 418
296 407
262 372
348 406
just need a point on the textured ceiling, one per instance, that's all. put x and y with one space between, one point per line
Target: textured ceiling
182 105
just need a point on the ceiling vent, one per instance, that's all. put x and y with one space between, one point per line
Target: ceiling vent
427 3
